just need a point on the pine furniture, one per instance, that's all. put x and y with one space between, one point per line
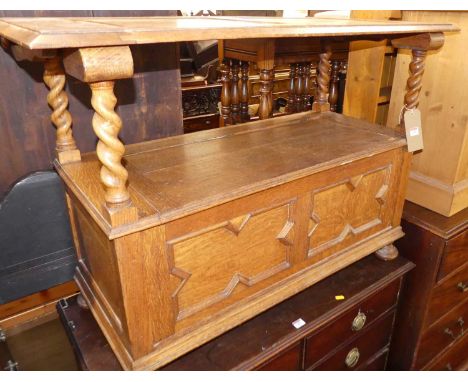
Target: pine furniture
439 175
183 238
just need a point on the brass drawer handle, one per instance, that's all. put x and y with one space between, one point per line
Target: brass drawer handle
352 357
358 322
450 333
462 287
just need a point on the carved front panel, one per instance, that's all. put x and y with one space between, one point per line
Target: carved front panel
214 263
347 211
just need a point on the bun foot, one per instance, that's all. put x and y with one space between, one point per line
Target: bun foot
82 302
389 252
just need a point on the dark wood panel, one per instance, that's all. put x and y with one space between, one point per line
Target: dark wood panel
376 364
369 343
330 337
423 248
290 359
455 255
149 104
443 333
448 294
455 358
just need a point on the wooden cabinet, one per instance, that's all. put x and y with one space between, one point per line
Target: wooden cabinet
431 329
439 173
348 334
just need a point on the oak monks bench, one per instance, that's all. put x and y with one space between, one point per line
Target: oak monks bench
183 238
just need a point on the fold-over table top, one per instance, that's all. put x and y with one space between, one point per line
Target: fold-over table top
75 32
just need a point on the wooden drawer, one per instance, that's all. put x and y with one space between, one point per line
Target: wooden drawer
455 358
364 347
204 122
455 255
289 359
377 363
330 337
442 334
447 295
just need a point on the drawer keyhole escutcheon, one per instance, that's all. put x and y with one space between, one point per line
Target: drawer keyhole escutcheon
358 322
352 357
462 287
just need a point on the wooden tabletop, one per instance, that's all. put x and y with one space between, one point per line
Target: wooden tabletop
75 32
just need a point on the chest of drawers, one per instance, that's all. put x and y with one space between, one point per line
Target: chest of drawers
431 329
348 334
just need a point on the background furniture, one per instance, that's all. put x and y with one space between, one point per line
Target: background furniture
338 334
439 173
371 66
36 246
238 55
431 324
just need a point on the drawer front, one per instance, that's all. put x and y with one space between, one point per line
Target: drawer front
441 335
289 359
456 358
201 123
455 255
353 321
447 295
362 349
377 364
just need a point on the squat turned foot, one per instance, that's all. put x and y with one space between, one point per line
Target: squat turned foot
389 252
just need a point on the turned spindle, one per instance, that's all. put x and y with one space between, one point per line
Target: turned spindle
323 80
271 84
306 91
235 96
107 125
333 95
100 67
264 107
244 94
419 46
290 108
298 87
414 82
54 78
225 95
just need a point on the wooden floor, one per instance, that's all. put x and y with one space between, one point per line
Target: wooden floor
43 347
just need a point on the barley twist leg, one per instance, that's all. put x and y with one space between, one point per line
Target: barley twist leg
107 125
54 78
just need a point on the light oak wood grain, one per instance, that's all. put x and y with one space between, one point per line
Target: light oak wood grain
48 33
439 174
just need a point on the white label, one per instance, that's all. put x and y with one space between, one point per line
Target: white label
414 131
299 323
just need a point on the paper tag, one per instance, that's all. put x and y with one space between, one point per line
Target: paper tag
412 121
299 323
